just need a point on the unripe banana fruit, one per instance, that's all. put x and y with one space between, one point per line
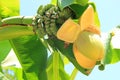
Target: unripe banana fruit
90 45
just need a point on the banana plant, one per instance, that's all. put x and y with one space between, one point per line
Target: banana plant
63 28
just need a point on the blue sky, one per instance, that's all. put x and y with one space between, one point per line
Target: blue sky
109 14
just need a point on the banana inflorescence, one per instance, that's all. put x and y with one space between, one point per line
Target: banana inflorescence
85 36
49 18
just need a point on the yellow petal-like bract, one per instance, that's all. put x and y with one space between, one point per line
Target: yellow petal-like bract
90 45
68 32
83 60
87 18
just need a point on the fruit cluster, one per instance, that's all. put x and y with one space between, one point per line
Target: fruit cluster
49 18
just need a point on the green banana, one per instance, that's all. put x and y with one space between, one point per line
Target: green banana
39 11
41 30
42 10
53 28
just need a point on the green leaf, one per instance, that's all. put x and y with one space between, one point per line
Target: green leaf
65 60
65 3
82 2
108 51
4 49
69 54
13 73
3 77
96 17
0 68
32 55
55 67
78 9
115 56
54 2
9 8
112 53
6 9
74 73
13 31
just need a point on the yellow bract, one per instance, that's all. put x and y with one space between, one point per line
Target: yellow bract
87 18
68 31
90 45
83 60
84 35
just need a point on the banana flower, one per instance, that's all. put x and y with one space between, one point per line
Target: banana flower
85 36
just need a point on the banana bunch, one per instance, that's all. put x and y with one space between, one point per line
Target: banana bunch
48 19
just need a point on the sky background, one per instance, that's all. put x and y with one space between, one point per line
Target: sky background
109 14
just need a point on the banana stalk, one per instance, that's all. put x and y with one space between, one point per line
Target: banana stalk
24 20
14 31
13 27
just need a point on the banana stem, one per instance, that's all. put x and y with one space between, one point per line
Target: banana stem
0 68
56 65
17 20
73 75
13 27
107 46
